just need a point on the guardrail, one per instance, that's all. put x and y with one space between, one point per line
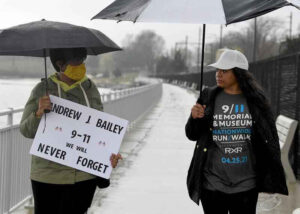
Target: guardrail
15 188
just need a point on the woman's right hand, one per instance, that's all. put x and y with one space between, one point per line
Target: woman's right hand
44 103
198 111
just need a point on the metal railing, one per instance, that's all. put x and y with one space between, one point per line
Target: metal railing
15 188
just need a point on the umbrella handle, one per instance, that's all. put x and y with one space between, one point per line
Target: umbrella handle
200 101
46 110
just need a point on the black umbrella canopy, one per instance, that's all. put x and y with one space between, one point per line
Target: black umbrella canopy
32 39
192 11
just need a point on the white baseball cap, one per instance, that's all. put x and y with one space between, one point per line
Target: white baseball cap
231 59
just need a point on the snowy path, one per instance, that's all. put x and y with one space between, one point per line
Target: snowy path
152 177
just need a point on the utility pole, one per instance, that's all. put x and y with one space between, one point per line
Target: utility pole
198 51
186 43
176 44
186 49
211 53
291 24
254 45
221 36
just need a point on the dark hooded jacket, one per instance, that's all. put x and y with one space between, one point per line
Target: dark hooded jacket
264 138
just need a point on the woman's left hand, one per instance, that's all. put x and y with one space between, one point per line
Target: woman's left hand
114 159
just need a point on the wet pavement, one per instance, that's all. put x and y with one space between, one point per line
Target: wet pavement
280 204
152 176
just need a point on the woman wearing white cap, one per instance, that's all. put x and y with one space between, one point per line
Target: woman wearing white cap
237 154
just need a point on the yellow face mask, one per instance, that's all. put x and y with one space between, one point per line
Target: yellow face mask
76 72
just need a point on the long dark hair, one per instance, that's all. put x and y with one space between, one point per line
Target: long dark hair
253 91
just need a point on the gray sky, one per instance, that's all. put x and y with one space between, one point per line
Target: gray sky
14 12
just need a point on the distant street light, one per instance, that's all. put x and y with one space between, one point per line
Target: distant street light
291 24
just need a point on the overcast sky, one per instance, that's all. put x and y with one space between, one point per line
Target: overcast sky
14 12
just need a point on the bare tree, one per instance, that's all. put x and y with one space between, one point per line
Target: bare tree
140 53
269 32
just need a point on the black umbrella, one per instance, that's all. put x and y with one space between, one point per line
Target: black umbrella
36 38
33 38
191 11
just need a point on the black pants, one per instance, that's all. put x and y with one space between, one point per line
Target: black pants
62 199
214 202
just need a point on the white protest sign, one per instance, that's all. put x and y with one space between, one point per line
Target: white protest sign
79 137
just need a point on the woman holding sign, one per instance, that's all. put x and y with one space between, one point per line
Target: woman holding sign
58 189
237 154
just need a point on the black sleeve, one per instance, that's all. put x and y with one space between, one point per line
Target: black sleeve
194 128
274 140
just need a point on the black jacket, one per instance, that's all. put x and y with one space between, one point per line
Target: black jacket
264 138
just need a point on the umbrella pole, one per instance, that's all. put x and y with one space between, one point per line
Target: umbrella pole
202 61
45 69
46 76
46 86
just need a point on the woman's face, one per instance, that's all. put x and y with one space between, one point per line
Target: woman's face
225 78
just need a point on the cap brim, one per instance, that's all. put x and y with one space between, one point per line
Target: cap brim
224 67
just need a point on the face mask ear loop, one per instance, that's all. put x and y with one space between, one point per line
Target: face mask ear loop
85 96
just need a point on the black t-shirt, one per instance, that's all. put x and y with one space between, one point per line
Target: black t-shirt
230 161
